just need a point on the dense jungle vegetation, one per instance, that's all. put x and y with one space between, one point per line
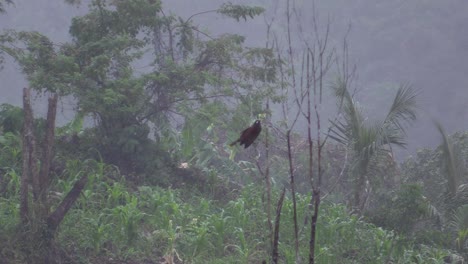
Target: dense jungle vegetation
143 172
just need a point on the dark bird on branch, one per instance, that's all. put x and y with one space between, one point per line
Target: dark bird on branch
249 135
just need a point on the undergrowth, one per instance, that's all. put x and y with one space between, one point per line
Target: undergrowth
112 223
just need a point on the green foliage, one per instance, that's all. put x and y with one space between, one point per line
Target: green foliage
74 127
11 118
240 11
186 73
10 156
442 174
459 223
46 68
402 210
112 220
424 169
430 169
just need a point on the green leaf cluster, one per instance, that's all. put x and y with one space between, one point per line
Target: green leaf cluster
240 11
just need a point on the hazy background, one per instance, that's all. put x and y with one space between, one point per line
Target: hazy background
423 43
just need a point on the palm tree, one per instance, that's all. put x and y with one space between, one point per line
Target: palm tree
452 163
455 197
368 141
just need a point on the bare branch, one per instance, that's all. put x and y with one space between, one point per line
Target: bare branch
54 220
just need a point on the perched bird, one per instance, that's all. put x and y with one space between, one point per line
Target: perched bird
249 135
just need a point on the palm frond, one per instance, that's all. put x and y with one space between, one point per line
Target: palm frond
403 109
339 132
452 164
368 141
340 89
353 121
432 211
368 137
459 219
391 135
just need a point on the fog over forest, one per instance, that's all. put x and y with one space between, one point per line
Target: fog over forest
422 43
208 131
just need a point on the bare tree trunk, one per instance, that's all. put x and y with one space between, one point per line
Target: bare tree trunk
360 187
267 176
293 194
315 188
321 68
288 134
44 235
47 155
28 154
313 229
275 254
317 185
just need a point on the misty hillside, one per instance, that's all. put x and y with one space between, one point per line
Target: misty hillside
203 131
422 43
